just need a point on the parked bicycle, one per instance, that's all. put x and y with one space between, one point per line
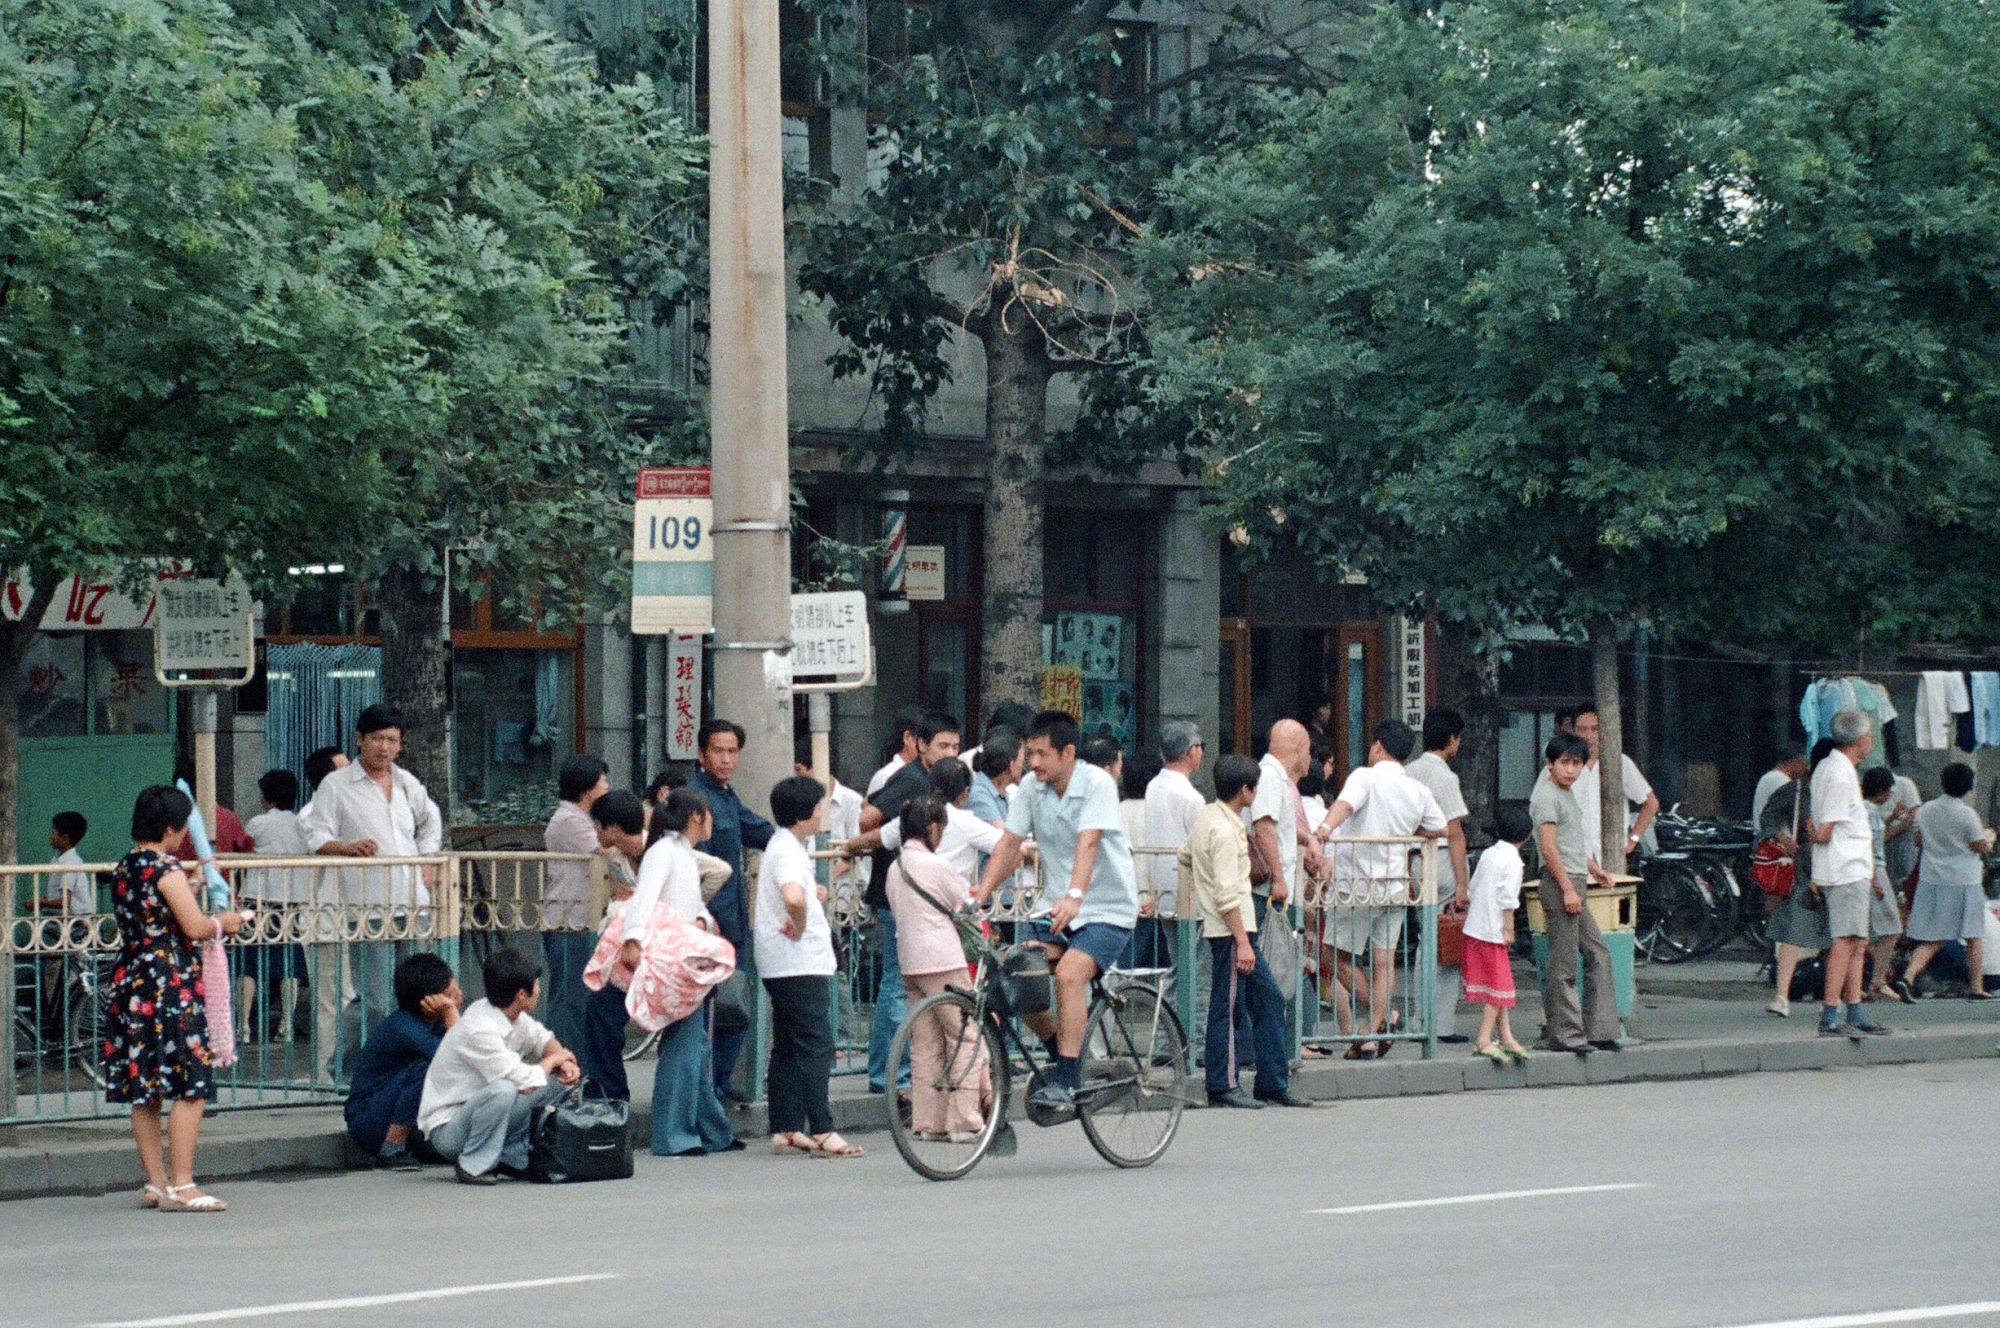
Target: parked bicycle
1132 1074
1693 897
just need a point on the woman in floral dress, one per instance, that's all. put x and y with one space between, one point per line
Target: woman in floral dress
156 1045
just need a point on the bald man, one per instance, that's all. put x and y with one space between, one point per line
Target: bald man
1276 818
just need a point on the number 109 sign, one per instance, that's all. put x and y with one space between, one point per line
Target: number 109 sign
673 559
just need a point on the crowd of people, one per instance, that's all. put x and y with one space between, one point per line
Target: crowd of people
433 1078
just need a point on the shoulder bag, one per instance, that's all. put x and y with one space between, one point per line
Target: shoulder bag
1772 869
579 1138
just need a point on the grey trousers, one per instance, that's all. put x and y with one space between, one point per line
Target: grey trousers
492 1127
1564 1023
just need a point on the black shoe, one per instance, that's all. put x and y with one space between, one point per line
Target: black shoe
398 1159
1005 1142
1573 1048
1052 1096
1285 1099
1904 989
1979 996
1235 1097
465 1177
1607 1044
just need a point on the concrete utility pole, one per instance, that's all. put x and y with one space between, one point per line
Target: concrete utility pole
750 442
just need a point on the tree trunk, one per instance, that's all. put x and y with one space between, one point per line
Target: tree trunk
1610 743
416 653
15 638
1017 402
1469 679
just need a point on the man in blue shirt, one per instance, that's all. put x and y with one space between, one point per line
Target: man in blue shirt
736 828
1070 808
388 1082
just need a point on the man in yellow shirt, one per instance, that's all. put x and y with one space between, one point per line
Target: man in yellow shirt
1245 1007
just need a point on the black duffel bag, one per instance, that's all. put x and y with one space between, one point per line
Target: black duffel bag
576 1138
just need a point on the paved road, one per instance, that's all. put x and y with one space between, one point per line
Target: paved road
1762 1199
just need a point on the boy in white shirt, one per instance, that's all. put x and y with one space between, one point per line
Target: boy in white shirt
482 1088
1491 899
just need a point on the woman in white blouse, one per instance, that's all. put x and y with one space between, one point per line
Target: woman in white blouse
688 1118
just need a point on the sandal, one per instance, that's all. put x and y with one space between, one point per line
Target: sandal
1394 1022
172 1202
787 1145
1491 1051
1361 1051
150 1196
823 1145
1516 1052
1314 1054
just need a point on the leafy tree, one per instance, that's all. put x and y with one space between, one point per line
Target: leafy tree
1595 314
185 359
1018 146
517 206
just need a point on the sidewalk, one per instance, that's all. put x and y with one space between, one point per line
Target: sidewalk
1698 1020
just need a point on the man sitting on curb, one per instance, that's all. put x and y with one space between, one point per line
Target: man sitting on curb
483 1086
389 1074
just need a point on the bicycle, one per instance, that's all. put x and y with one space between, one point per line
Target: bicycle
1132 1074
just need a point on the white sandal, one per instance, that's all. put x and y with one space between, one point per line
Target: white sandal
150 1196
172 1202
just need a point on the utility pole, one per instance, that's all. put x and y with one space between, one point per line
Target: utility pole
750 439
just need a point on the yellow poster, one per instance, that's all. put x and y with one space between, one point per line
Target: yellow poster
1062 689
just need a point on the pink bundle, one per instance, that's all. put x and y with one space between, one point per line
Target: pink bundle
678 964
215 1001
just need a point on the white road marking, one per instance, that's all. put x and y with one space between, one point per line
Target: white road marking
352 1302
1917 1314
1496 1197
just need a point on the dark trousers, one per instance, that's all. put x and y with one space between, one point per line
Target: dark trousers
602 1051
801 1056
1244 1012
727 1048
394 1103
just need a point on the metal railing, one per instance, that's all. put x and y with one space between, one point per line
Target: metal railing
312 975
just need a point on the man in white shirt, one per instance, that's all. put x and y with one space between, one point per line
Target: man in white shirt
374 808
491 1070
909 723
1279 836
1172 803
1380 799
567 940
1789 767
1590 793
1843 871
274 833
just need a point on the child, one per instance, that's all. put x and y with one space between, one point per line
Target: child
75 891
1567 871
1885 923
1492 897
273 832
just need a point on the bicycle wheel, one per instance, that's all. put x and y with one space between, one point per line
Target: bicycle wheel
1683 914
638 1042
1132 1076
957 1107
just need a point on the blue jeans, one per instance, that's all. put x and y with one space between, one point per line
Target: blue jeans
688 1117
890 1006
563 994
1244 1011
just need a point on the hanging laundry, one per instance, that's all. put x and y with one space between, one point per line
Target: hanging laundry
1986 709
1825 698
1941 699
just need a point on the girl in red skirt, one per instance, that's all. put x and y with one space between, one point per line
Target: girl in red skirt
1493 896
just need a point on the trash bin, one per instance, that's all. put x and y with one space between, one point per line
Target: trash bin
1616 908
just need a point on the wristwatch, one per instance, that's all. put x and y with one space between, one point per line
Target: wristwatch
1076 894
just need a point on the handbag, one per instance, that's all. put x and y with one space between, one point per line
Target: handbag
732 1003
578 1138
1772 869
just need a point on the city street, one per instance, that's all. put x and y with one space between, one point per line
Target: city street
1835 1198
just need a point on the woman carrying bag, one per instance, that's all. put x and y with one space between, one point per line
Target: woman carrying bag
156 1039
1798 926
925 894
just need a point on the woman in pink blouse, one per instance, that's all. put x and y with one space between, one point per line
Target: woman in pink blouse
932 957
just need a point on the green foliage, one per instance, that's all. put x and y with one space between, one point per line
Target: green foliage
1560 312
178 314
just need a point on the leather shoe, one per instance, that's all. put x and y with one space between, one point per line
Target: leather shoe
1285 1099
465 1177
1235 1097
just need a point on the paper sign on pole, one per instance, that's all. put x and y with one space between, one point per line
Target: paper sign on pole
831 647
202 625
673 556
683 696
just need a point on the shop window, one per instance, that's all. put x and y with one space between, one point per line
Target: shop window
92 684
53 686
125 696
513 721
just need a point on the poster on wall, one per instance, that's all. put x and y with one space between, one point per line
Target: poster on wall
1094 642
1062 689
1108 712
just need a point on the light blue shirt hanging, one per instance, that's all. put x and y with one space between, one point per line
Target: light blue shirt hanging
1986 709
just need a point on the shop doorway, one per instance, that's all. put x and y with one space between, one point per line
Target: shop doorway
1329 676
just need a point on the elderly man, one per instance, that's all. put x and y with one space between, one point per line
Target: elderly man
1276 819
375 809
566 936
1843 871
1172 803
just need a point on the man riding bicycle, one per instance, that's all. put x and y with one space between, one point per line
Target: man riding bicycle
1070 808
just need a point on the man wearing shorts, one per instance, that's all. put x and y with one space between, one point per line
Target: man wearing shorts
1843 871
1379 799
1070 808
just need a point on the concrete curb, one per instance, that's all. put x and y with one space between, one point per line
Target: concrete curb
38 1161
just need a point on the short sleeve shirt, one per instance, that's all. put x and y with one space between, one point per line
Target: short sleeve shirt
1555 805
1848 856
778 955
903 787
1589 795
1054 820
1436 774
1274 803
1949 828
1386 802
1494 893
